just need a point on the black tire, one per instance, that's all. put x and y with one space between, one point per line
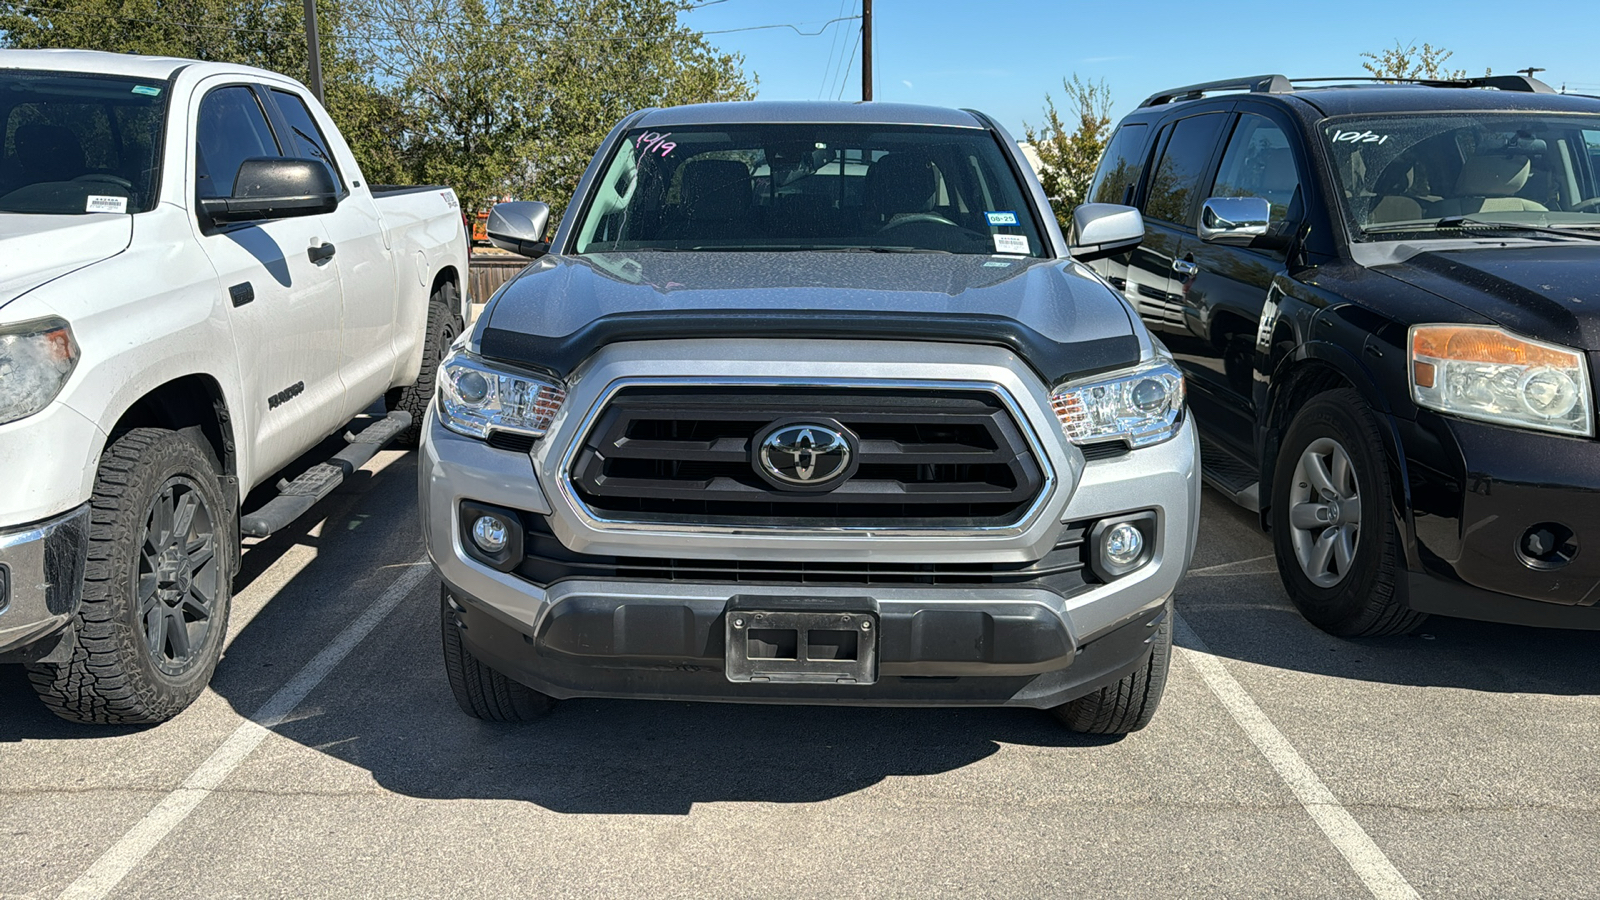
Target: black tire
444 324
146 642
1131 703
1364 602
480 691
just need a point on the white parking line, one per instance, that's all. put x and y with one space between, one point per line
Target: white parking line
115 864
1348 837
1230 568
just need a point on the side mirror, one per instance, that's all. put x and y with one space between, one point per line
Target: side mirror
1100 230
1234 220
518 226
270 187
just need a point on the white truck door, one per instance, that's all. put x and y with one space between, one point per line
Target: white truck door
365 262
284 289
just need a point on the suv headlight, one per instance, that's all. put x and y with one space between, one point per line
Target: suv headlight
1487 373
1140 407
36 359
477 399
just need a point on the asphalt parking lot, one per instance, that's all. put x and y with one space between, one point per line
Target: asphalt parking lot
329 759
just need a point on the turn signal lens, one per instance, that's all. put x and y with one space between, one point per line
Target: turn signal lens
1486 373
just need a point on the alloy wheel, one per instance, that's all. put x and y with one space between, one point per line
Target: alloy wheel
1325 512
179 576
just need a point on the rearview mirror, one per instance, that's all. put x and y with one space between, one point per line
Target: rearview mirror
518 226
1234 220
271 187
1100 230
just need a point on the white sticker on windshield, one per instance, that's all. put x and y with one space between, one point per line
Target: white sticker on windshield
1011 243
1359 137
1001 218
97 203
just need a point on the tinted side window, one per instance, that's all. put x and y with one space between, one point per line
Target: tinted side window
305 137
1258 163
231 129
1120 167
1175 186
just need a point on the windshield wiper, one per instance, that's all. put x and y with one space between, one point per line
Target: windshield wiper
1467 222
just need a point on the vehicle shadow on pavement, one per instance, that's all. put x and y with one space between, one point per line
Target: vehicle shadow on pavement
1242 612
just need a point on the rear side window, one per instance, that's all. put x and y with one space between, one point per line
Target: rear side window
1175 186
231 129
1121 166
1259 163
305 137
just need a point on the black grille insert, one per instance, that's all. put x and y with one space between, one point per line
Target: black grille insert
929 458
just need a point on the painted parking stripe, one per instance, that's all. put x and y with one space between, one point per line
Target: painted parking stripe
115 864
1348 837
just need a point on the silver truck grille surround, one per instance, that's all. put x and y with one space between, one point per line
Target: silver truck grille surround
601 523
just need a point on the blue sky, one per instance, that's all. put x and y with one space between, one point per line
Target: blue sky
1001 56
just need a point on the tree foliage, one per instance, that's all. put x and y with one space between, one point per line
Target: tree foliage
492 97
1069 158
1406 62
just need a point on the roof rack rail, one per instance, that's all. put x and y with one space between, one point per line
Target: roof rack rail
1279 84
1256 84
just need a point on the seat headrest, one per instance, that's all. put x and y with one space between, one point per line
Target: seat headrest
902 183
1493 176
716 188
49 152
1277 170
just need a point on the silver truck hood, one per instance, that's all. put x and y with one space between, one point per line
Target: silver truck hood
35 249
1053 314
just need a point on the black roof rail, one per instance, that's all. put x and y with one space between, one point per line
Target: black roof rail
1256 84
1278 84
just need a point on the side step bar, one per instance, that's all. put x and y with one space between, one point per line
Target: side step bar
1234 477
296 497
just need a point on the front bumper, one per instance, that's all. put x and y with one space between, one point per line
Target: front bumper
988 644
1476 491
41 577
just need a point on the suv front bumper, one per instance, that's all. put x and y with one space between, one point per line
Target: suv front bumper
41 577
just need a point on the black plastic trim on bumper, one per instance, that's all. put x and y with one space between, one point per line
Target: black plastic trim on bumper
999 654
1430 594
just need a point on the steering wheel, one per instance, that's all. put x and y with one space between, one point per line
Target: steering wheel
914 218
1585 205
104 178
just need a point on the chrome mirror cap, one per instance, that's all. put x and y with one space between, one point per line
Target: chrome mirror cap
1234 220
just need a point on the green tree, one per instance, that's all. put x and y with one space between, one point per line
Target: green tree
1406 62
1069 158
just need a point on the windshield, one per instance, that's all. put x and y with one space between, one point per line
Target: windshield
78 144
1401 175
809 187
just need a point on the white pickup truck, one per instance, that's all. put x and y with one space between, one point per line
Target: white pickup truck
197 286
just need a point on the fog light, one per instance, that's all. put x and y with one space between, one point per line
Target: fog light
490 534
1124 544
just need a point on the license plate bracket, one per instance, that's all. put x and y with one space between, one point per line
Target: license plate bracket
830 646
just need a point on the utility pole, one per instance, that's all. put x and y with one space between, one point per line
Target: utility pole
866 49
314 52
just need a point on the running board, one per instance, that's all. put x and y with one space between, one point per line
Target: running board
297 496
1229 474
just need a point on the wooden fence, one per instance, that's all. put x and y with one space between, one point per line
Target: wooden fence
488 271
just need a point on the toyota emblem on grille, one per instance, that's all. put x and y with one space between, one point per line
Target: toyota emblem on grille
811 455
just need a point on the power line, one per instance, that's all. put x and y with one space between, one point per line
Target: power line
833 46
845 81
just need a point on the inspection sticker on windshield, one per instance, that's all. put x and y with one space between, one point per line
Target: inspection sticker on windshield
1001 218
1011 243
98 203
147 90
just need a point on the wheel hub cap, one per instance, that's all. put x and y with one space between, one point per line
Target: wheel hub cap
178 576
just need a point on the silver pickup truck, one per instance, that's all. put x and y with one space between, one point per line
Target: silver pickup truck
810 403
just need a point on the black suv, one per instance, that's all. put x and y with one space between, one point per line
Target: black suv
1386 298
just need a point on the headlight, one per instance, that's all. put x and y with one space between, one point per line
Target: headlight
36 359
1483 372
1141 407
476 399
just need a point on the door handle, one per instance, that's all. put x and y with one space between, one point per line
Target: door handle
1185 268
320 253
